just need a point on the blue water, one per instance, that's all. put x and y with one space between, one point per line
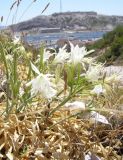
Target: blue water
53 37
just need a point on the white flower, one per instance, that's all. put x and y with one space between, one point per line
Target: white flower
96 117
93 73
41 84
9 57
98 89
16 40
88 60
46 55
62 56
21 48
34 68
77 54
76 105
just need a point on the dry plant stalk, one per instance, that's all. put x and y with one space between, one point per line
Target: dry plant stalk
30 136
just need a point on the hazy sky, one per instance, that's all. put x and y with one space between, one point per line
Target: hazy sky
109 7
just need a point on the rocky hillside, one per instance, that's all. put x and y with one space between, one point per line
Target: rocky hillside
71 21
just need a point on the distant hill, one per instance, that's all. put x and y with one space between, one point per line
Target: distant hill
70 21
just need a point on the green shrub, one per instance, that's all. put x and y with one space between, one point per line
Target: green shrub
112 42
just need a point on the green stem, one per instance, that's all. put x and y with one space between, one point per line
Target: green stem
65 100
7 75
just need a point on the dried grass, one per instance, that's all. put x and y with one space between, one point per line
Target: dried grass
33 135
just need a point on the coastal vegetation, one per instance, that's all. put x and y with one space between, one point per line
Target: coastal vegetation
61 104
58 105
110 47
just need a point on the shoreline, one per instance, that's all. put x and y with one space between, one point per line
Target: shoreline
65 35
62 31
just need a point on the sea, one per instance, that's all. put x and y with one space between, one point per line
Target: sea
51 38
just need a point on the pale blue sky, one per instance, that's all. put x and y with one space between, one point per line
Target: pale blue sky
109 7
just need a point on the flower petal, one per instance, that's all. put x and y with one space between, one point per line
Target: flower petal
98 117
75 105
34 68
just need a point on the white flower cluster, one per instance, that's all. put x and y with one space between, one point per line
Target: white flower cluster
42 83
76 55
